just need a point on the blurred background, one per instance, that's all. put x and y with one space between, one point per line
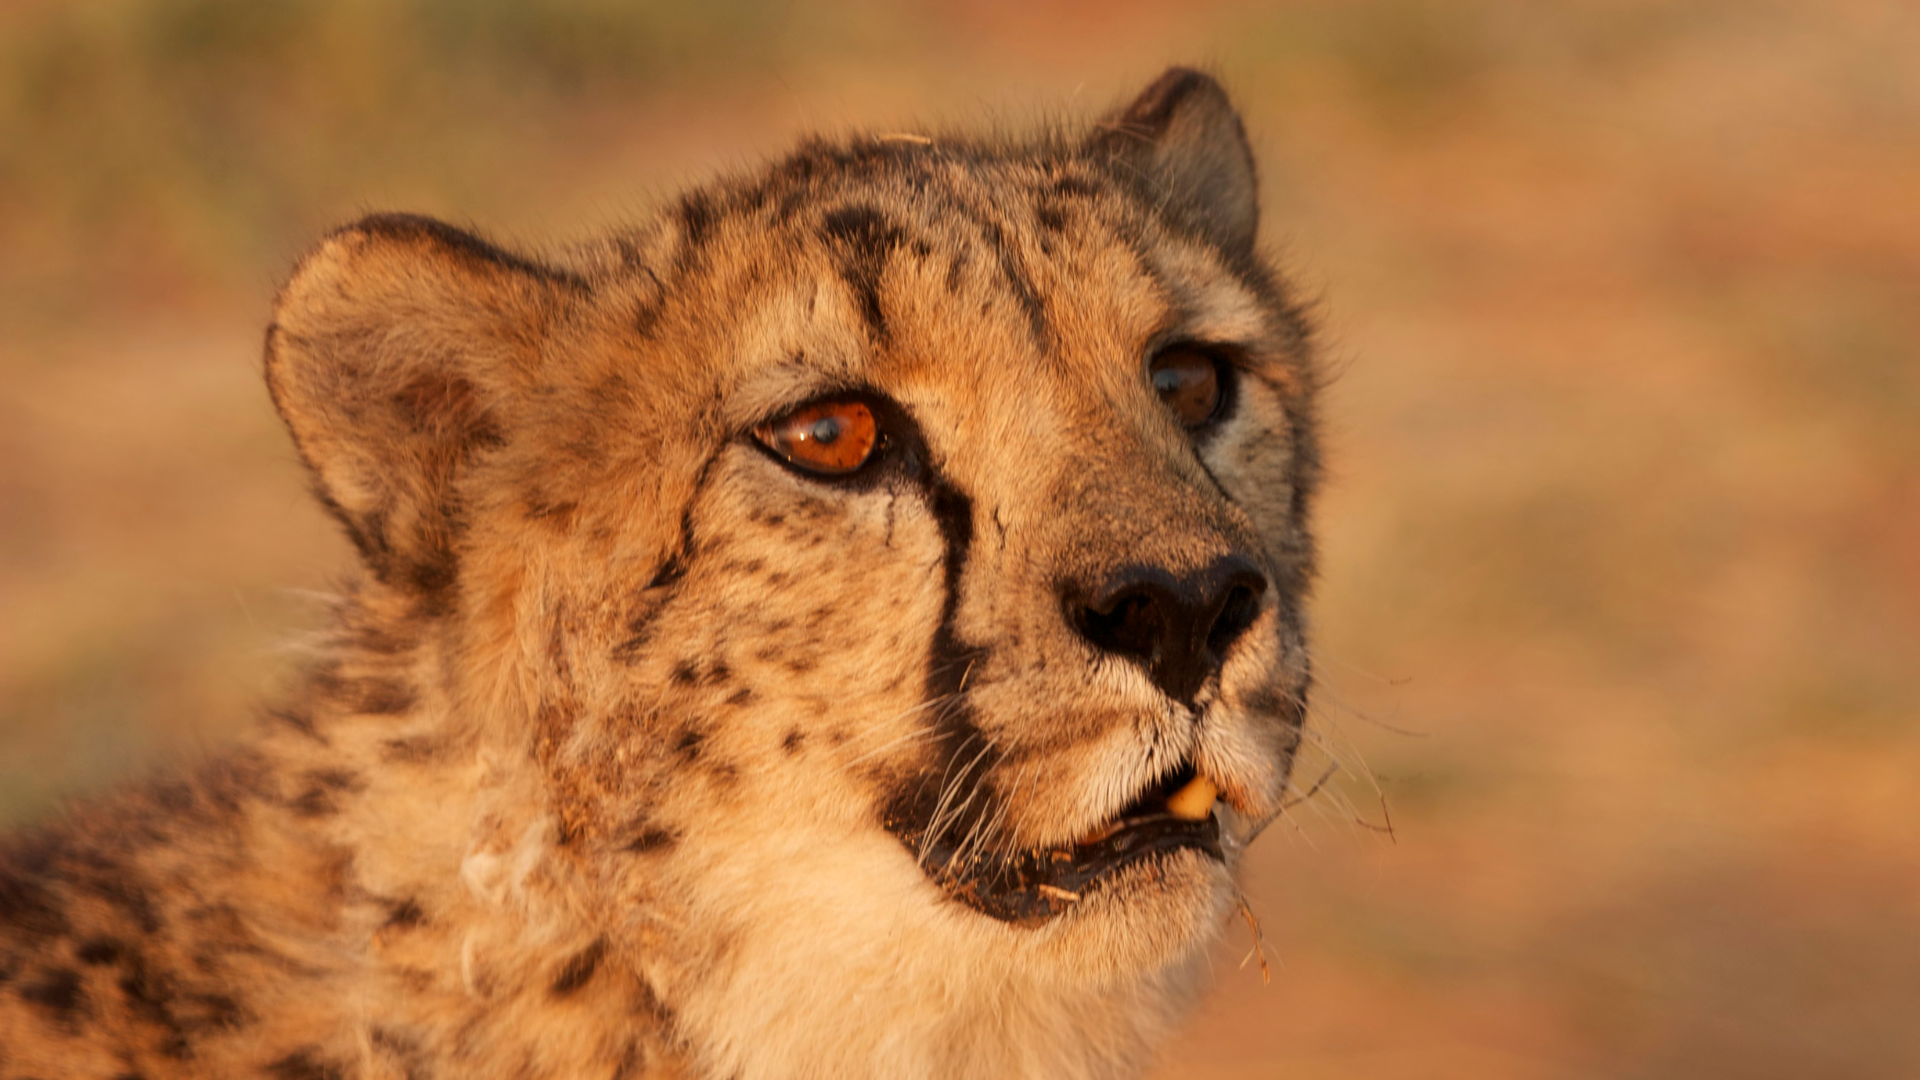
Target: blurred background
1620 621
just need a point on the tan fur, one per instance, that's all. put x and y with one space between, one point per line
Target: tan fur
605 774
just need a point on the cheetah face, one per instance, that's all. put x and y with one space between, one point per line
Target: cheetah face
902 550
1170 623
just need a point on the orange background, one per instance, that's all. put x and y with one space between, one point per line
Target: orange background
1620 621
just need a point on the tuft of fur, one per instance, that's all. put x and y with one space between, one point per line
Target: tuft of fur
612 763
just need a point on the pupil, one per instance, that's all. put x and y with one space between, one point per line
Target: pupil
826 430
1168 380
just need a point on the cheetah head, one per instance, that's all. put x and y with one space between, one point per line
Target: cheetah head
882 574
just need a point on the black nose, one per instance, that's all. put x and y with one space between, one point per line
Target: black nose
1178 628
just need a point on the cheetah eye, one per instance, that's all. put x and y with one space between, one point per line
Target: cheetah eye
831 437
1189 380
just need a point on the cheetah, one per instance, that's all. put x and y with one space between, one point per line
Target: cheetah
849 625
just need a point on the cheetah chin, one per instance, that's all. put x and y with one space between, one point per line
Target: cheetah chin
850 624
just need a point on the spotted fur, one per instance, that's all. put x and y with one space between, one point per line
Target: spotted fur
633 742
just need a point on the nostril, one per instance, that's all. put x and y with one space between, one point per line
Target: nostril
1130 622
1237 613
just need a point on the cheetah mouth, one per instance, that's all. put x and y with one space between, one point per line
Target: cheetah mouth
1172 815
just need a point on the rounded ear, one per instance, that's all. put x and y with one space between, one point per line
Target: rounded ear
391 355
1182 143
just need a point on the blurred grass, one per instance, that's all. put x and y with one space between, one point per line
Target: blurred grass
1625 300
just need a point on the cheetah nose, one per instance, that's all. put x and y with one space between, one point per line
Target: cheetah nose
1179 629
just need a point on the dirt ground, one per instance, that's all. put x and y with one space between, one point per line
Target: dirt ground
1620 621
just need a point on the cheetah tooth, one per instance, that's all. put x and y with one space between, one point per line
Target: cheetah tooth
1194 801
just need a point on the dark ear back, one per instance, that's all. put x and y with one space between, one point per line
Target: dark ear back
391 354
1183 143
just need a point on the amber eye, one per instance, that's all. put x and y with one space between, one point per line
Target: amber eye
1188 380
831 437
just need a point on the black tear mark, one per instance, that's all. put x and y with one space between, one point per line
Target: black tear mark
862 238
579 968
964 756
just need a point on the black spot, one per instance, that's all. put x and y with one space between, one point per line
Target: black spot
686 672
688 745
384 697
382 641
579 968
219 1011
652 838
98 951
403 1047
306 1064
794 741
26 904
405 914
59 992
955 268
108 881
334 779
698 215
322 784
1076 187
660 589
632 1060
1051 217
862 237
559 514
151 999
432 577
1021 287
371 696
299 720
741 696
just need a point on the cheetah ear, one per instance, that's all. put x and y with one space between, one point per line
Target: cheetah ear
1182 142
391 357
